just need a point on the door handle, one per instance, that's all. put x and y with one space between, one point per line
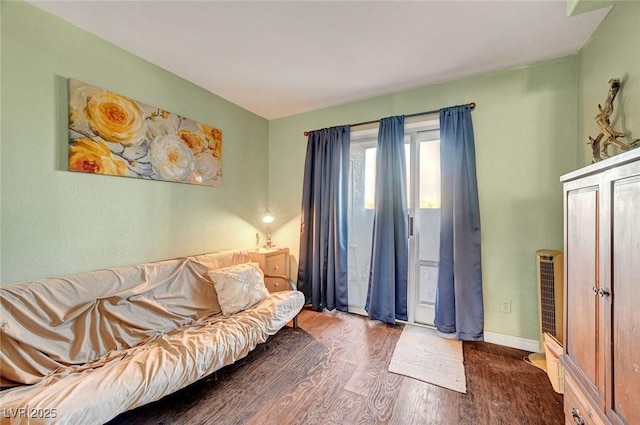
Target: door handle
575 413
410 225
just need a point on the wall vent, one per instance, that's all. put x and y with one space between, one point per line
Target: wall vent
550 265
550 293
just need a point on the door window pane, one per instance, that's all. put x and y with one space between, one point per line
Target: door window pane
369 178
430 174
428 282
370 174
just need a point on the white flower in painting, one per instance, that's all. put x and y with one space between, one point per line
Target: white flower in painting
207 166
171 159
79 92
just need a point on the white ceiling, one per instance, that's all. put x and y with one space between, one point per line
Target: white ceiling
279 58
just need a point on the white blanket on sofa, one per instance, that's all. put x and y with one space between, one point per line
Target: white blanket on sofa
94 345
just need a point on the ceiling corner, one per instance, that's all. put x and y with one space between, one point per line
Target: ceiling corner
576 7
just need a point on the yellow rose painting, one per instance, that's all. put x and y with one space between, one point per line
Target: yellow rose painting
94 157
112 134
115 118
214 139
193 141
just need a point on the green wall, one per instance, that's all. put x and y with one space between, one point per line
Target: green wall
613 51
55 222
525 128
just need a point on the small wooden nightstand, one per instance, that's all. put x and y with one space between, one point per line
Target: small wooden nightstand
273 261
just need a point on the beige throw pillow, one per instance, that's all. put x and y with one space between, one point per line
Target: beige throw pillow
239 287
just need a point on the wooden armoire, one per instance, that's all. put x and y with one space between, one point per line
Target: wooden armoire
602 292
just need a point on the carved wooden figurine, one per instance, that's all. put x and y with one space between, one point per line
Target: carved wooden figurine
608 136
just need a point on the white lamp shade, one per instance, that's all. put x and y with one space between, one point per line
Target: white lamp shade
267 217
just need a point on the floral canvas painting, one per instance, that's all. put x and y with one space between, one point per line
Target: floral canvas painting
112 134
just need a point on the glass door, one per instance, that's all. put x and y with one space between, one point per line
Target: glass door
422 150
424 221
360 217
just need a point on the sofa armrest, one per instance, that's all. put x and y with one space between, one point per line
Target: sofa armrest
293 287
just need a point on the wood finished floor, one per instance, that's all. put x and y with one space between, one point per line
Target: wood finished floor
333 370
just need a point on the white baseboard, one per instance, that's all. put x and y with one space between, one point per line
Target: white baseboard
513 341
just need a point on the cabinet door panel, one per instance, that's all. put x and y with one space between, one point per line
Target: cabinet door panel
582 275
625 293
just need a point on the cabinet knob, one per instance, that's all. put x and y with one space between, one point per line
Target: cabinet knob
595 290
575 413
603 292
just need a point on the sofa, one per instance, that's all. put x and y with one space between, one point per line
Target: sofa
81 349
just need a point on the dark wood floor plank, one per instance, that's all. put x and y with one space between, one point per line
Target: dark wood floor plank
420 403
372 358
333 370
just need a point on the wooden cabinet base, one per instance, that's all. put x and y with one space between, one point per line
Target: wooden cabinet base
577 409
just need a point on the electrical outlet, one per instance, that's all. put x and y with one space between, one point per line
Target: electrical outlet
505 305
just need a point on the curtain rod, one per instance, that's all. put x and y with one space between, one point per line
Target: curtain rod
417 114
